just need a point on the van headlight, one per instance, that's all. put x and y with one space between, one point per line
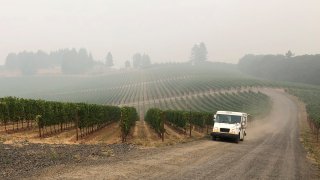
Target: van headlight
233 130
215 129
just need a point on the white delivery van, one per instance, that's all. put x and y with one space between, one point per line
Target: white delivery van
229 124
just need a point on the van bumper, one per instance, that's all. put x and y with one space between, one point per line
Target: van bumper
223 135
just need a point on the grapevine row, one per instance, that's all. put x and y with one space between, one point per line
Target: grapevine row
310 96
251 102
53 117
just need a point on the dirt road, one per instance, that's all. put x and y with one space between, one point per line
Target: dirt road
271 150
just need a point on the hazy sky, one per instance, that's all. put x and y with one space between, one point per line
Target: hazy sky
164 29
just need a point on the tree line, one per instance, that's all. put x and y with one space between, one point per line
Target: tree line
302 69
71 61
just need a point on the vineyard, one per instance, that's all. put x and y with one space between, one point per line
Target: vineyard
171 87
166 97
310 96
254 103
54 117
132 87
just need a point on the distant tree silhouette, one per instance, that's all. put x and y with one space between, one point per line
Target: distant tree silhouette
198 53
109 60
127 64
70 61
203 53
74 62
136 60
194 53
141 61
145 60
289 54
12 61
26 62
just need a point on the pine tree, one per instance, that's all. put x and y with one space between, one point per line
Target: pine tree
198 53
109 60
127 64
202 52
289 54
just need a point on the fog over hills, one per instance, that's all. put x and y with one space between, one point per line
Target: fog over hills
164 29
78 39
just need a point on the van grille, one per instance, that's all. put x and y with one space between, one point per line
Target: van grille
224 130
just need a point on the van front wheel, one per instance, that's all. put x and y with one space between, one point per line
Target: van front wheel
242 138
237 138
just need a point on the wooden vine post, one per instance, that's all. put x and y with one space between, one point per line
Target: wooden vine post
39 131
5 125
77 124
190 126
121 125
163 121
207 125
5 108
39 122
317 129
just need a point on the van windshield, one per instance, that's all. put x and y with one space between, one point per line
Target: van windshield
229 119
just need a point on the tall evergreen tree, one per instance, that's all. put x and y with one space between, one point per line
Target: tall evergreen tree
136 60
203 53
127 64
145 60
141 61
109 60
289 54
198 53
76 62
194 54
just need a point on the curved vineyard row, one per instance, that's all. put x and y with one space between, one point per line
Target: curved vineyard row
157 90
211 102
133 87
311 97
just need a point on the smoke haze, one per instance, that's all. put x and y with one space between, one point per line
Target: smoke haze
164 29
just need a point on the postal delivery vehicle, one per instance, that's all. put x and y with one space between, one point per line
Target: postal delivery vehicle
228 124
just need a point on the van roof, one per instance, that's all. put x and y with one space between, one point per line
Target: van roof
232 113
